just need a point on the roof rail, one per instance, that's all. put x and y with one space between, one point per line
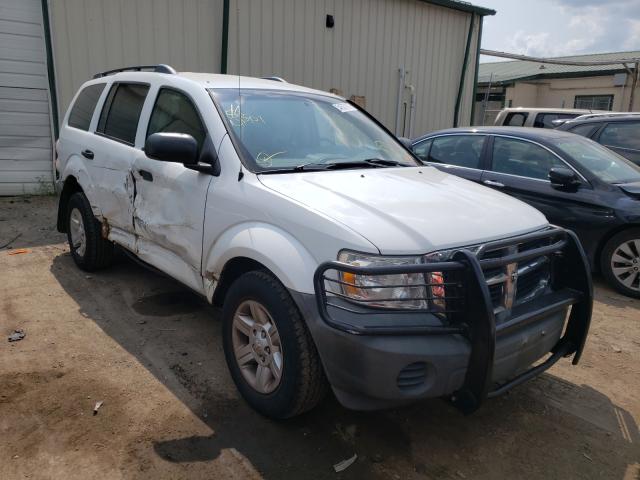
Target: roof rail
275 79
160 68
587 116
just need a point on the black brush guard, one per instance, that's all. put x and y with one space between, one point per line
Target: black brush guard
469 309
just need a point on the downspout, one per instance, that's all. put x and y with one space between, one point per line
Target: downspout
225 37
634 85
475 80
463 74
50 71
412 108
401 85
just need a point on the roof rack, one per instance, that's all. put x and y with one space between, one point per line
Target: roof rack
275 79
160 68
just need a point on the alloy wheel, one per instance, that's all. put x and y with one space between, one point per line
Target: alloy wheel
257 347
78 235
625 264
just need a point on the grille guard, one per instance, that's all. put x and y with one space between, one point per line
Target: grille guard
473 315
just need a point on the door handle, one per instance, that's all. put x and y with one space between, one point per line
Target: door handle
492 183
87 154
146 175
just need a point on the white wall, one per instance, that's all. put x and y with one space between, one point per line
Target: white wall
90 36
362 53
25 128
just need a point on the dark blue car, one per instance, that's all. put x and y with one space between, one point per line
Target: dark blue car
575 182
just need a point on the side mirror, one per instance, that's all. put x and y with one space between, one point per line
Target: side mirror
172 147
563 178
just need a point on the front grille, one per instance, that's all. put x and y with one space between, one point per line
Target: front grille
519 282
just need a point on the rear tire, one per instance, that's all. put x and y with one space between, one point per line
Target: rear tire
620 262
301 383
89 250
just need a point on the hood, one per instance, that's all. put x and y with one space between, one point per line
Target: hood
631 189
409 210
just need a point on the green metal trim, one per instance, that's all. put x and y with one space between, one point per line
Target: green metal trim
544 76
462 6
463 74
475 79
50 70
225 36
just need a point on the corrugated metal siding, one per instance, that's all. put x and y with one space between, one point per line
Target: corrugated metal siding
25 128
91 36
362 53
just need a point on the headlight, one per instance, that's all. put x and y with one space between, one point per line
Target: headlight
403 291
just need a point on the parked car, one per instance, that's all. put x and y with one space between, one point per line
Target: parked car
575 182
337 257
535 117
620 133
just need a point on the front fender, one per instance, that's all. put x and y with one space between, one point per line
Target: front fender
267 244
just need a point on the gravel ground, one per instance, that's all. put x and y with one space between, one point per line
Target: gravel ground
151 351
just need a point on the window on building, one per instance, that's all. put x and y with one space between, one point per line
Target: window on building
545 120
522 158
174 112
85 104
515 119
621 135
459 150
121 112
594 102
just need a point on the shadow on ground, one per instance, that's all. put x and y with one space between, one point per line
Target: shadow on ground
549 428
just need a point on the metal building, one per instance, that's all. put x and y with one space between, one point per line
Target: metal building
411 63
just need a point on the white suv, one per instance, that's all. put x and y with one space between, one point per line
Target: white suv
338 258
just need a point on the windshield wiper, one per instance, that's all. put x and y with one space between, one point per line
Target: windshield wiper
315 166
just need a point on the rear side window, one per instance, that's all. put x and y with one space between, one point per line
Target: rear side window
458 150
515 119
623 135
82 111
545 120
421 150
584 130
175 113
121 112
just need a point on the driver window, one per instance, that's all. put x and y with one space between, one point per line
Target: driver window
524 159
174 112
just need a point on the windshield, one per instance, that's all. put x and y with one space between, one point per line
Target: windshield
282 130
602 162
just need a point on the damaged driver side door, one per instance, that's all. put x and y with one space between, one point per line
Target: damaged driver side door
169 204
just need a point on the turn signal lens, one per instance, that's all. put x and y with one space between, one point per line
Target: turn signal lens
350 290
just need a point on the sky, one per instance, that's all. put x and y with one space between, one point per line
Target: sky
551 28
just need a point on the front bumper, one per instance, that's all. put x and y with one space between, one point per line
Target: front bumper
402 358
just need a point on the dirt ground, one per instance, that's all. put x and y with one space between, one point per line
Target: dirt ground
151 351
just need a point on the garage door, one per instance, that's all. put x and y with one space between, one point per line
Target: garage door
25 128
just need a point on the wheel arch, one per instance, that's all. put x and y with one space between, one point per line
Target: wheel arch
232 270
71 186
261 246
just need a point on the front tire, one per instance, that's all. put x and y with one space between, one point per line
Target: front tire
620 262
269 350
88 249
